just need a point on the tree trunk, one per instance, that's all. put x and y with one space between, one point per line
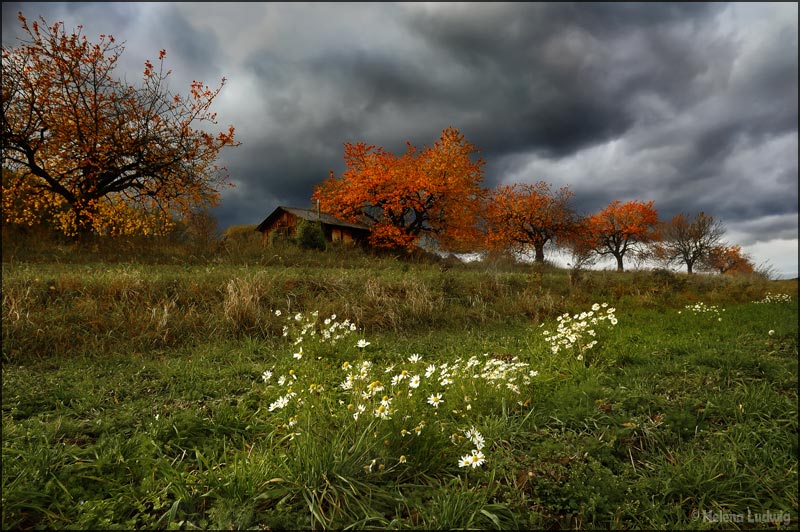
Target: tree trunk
84 222
539 253
619 263
83 225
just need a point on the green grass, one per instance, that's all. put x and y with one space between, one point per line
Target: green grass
133 397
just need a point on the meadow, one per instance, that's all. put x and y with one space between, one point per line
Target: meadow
279 388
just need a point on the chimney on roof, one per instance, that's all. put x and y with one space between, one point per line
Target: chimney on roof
318 212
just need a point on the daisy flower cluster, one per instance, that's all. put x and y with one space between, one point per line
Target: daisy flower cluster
405 399
420 395
476 457
306 328
775 298
364 383
291 392
702 308
578 332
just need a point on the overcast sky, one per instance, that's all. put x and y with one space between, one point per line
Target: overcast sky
691 105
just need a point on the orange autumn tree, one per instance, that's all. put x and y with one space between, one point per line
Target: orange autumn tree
620 228
433 194
521 216
93 153
729 260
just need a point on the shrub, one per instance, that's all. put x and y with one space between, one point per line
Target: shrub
310 235
276 238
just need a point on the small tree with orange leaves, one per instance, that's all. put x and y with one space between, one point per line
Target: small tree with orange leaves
727 259
433 193
619 229
524 216
94 153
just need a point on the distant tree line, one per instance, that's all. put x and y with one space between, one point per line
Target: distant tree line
435 194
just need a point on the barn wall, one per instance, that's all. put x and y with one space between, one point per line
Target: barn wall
339 234
286 224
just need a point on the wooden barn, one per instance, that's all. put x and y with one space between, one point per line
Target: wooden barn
284 221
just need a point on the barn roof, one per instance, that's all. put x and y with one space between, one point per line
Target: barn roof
310 215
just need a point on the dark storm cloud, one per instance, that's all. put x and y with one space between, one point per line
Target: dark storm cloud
143 29
507 77
699 95
558 76
197 46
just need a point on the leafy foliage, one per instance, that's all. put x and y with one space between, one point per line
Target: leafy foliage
728 259
94 154
434 192
619 228
310 235
522 215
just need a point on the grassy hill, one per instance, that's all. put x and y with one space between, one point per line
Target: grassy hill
205 387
